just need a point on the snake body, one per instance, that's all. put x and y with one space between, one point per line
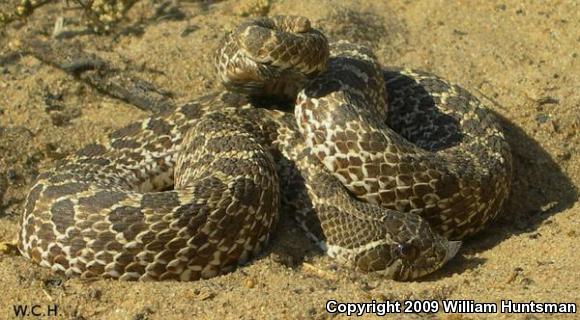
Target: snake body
385 169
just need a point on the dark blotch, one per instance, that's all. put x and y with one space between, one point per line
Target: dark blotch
102 199
45 232
446 187
96 161
63 214
123 218
160 200
234 99
92 150
126 131
159 127
60 178
32 198
77 244
191 110
125 144
247 191
65 189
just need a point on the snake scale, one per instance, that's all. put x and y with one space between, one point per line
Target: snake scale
386 169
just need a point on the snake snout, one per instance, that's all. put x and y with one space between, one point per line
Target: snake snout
433 256
452 249
417 251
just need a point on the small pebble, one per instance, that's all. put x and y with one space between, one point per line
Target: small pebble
249 283
95 294
204 295
52 282
8 247
547 100
534 235
143 315
544 263
513 275
564 155
542 118
284 259
525 282
189 29
12 175
15 44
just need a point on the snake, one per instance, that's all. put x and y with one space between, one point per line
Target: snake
387 169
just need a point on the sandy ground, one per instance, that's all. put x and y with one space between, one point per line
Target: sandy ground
522 58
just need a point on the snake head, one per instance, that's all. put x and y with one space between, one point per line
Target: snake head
410 249
413 260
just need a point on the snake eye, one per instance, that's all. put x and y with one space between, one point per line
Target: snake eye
407 251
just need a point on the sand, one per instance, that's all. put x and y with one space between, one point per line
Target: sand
521 58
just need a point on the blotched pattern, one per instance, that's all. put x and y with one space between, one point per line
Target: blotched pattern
383 168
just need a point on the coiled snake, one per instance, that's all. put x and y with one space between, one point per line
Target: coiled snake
386 169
